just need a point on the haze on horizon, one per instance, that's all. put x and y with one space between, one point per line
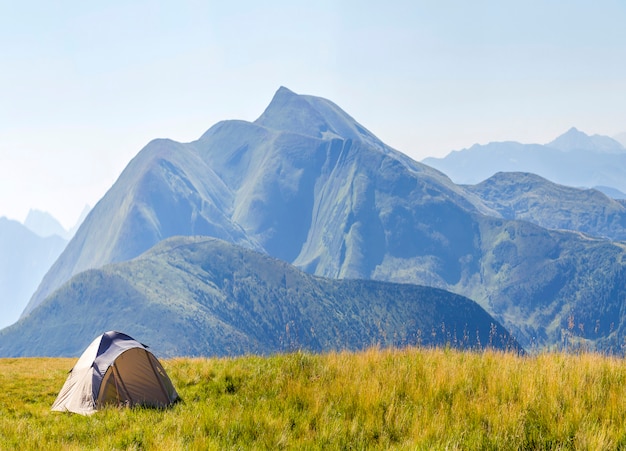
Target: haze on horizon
84 86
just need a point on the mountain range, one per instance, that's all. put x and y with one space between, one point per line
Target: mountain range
203 296
307 184
26 253
573 159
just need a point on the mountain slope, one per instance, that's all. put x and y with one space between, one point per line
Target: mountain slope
573 159
203 296
166 190
308 184
540 282
528 197
24 259
275 191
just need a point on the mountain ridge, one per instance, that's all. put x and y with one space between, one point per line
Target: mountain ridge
529 197
565 161
200 296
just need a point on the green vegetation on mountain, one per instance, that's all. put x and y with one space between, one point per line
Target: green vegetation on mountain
202 296
528 197
546 280
375 399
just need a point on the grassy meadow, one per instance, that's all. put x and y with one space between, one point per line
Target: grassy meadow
376 399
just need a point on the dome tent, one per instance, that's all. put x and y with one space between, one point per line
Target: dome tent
115 369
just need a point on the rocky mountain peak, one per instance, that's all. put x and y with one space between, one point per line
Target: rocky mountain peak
312 116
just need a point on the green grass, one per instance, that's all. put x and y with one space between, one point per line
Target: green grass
376 399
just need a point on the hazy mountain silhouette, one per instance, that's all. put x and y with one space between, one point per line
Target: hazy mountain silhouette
24 259
621 138
44 224
613 193
573 159
574 139
203 296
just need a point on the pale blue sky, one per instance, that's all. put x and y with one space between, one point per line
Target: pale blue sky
85 85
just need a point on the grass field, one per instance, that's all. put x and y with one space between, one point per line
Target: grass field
376 399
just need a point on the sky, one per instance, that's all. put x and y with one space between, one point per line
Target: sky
84 86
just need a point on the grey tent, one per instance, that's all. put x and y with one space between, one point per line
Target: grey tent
115 369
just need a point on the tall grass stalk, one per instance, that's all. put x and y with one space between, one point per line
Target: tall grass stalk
376 399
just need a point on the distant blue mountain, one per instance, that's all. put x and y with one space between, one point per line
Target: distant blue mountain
573 159
621 138
44 224
574 140
611 192
24 259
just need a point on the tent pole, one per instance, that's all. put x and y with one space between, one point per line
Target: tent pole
118 377
156 373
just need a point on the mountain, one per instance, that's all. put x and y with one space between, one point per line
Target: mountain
203 296
621 138
529 197
307 184
44 224
611 192
281 191
574 139
24 259
573 159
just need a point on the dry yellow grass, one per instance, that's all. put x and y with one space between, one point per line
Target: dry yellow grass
375 399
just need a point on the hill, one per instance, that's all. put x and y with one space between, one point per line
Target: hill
572 159
306 183
203 296
24 259
529 197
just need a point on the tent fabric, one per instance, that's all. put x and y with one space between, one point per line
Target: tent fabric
115 369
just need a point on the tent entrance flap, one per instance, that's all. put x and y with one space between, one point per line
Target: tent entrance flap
112 389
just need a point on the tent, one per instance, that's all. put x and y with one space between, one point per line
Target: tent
115 369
